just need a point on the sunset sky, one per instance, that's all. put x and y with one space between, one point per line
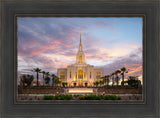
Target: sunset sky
51 43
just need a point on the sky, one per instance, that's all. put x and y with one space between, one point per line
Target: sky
50 43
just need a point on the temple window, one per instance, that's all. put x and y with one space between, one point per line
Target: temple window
62 76
98 75
70 75
90 74
75 75
80 59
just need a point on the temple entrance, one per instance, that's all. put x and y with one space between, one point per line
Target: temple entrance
86 84
80 74
74 84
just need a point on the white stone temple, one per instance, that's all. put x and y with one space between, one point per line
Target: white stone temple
80 73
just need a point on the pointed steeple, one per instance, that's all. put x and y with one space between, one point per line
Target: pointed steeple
80 37
80 57
80 44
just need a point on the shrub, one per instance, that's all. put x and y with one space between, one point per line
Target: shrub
68 97
111 97
119 98
63 97
76 96
48 97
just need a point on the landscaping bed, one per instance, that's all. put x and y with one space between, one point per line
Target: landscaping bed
79 97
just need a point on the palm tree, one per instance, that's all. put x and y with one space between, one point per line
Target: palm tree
112 75
107 79
53 79
97 83
47 75
57 81
117 78
101 83
104 79
37 70
123 70
47 80
43 72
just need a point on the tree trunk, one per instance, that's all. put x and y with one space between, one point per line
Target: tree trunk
37 79
43 79
123 79
117 80
112 80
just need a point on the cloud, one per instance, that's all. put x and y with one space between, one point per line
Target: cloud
51 43
132 62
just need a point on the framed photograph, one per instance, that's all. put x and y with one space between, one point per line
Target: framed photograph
80 59
90 68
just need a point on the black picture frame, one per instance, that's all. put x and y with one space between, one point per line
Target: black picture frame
150 12
143 101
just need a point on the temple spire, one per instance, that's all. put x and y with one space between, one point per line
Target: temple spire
80 38
80 44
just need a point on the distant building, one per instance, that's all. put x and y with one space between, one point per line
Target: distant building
80 73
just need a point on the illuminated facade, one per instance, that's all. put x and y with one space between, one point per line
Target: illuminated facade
80 73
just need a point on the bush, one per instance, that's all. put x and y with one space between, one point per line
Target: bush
119 98
133 81
111 97
48 97
63 97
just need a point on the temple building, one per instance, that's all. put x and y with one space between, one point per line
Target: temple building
80 73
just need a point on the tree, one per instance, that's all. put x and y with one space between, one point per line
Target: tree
112 75
26 79
57 81
53 79
64 84
107 79
104 79
47 80
37 70
101 83
133 81
123 70
96 83
43 72
117 78
47 74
